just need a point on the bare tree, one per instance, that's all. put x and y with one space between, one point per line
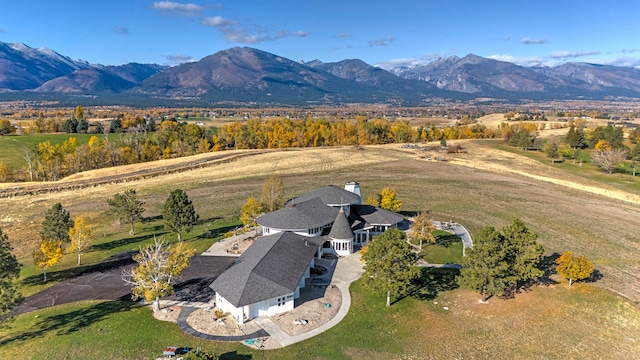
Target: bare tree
159 266
607 159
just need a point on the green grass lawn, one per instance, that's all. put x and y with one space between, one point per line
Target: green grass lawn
622 179
446 250
11 147
435 321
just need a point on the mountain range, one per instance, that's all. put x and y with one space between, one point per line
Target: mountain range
243 75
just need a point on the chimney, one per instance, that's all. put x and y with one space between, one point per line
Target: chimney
354 187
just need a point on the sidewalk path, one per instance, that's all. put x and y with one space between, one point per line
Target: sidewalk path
347 270
182 323
217 249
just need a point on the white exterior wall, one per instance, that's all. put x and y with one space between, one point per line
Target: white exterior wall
302 232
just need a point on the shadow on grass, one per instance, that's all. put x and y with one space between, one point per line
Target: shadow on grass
233 355
214 233
115 261
70 322
447 240
124 241
431 282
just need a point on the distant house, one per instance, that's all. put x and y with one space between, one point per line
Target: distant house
268 276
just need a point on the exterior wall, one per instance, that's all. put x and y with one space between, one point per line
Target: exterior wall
227 307
342 247
302 232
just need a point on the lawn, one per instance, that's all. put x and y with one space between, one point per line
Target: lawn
446 250
436 321
11 147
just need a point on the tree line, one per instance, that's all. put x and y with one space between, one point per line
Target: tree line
137 140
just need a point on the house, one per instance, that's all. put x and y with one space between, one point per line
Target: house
267 278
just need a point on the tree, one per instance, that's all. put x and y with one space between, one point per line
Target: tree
523 253
159 267
388 200
127 208
485 268
500 262
47 255
574 268
9 272
422 229
634 155
6 127
389 264
81 235
178 212
56 224
552 149
250 211
79 113
272 193
608 158
576 137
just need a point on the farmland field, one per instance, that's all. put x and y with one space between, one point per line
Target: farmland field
485 186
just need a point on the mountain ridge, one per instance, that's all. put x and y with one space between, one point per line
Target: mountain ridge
252 76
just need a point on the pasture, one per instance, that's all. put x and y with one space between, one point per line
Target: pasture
485 186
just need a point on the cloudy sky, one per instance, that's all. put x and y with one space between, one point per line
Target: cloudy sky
383 33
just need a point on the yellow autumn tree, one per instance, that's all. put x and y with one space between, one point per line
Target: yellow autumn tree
388 200
159 268
422 229
47 255
574 268
81 235
250 211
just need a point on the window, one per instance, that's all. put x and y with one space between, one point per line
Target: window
281 301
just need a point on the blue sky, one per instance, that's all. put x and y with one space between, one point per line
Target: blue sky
380 33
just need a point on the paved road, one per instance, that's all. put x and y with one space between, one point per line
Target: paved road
103 281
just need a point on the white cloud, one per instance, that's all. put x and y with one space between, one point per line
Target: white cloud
382 42
302 34
217 21
121 30
624 61
572 54
175 8
630 51
236 32
178 58
534 41
522 61
343 35
401 62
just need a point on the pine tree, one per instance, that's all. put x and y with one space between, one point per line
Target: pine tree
178 212
9 272
127 208
523 254
56 224
485 268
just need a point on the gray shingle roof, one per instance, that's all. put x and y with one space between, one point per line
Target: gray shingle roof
330 195
374 215
341 230
308 214
270 268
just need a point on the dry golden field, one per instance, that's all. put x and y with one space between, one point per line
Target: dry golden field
483 187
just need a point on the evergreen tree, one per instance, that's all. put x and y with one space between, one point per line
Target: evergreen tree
389 264
82 127
576 137
9 272
523 254
127 208
56 224
178 212
485 268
